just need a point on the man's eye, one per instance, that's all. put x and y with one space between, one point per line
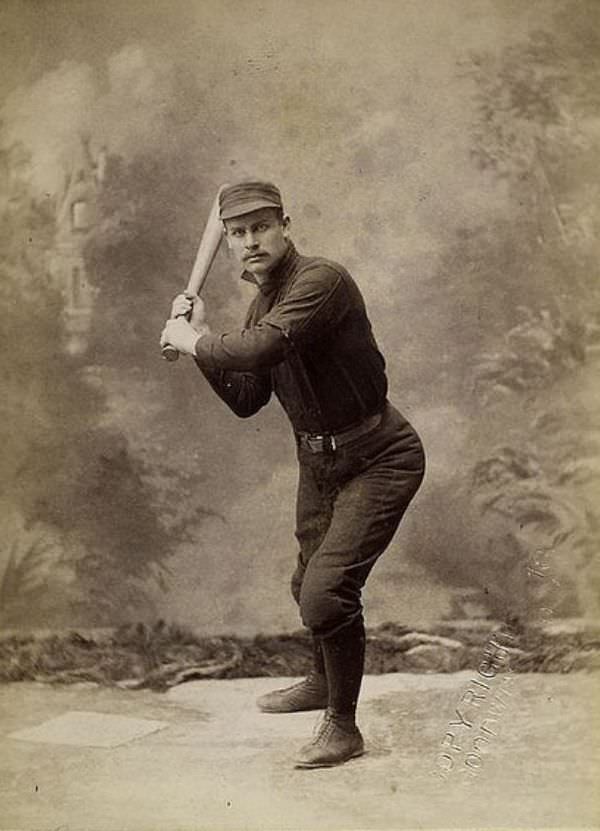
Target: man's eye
237 232
262 227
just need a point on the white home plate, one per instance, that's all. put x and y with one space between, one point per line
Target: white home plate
87 729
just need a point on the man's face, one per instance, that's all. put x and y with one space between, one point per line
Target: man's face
258 240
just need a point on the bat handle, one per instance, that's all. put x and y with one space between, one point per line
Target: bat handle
169 352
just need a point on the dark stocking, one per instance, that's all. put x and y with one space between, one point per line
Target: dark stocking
344 657
318 662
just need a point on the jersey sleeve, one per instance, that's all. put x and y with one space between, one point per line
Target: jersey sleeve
247 350
243 392
314 304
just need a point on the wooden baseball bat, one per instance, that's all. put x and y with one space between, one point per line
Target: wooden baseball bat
207 251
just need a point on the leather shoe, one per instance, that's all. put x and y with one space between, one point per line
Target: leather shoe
337 740
309 694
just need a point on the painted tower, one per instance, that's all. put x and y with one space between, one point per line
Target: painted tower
76 217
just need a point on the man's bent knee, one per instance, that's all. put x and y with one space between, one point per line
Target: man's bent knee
323 612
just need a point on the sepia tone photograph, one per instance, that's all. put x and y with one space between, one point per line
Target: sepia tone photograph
300 449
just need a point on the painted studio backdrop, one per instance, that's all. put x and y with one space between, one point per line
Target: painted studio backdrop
445 152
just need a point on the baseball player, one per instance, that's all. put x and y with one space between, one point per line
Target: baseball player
307 340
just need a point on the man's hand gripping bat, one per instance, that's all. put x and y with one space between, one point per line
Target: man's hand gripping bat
207 250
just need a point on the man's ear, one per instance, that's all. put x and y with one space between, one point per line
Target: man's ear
226 237
287 225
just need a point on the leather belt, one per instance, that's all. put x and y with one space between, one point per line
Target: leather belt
328 442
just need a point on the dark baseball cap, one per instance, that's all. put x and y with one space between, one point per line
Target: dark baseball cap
245 197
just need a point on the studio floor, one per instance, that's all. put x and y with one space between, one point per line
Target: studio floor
524 754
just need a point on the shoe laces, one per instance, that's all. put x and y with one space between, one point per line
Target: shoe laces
311 679
298 685
323 729
309 682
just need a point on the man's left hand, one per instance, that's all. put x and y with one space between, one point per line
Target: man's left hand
182 335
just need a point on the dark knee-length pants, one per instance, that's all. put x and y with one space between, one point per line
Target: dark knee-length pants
349 505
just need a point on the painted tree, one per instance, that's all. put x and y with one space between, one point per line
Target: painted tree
538 103
86 535
524 341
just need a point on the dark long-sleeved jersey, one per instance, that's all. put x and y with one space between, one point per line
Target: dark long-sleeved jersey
308 339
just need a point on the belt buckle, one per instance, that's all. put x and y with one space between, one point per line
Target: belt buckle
321 444
316 444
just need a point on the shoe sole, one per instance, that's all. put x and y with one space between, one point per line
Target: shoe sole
297 710
313 765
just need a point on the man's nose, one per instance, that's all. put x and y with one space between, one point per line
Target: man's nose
249 240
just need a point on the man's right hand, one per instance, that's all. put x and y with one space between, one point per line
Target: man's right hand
184 304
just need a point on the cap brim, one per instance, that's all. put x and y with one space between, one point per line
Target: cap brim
243 208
